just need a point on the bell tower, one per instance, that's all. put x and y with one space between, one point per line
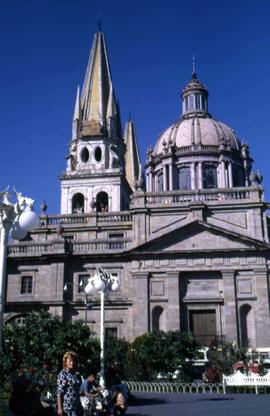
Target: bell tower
95 174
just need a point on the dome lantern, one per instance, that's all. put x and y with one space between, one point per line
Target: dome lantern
194 97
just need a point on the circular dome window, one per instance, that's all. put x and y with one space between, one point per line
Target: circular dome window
98 154
85 154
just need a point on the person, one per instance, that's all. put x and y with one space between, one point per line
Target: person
25 398
68 387
120 403
89 389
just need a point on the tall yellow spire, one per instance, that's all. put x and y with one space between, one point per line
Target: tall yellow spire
98 104
132 157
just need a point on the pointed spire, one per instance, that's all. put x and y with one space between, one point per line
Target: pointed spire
132 157
76 116
77 108
98 99
111 108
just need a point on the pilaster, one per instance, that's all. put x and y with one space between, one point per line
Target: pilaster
230 306
173 318
141 322
262 312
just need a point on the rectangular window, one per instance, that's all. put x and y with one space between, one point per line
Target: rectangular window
116 235
111 332
82 282
160 182
209 176
184 178
26 285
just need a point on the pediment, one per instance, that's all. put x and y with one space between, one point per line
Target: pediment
200 236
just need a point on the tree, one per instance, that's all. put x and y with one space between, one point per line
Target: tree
161 351
42 342
222 356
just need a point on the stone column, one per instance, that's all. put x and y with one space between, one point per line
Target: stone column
262 313
230 175
150 181
200 181
140 297
173 316
170 177
193 176
230 306
165 178
222 174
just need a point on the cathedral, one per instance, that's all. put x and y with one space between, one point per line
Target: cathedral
186 234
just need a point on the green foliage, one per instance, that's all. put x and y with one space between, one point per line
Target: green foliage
41 343
222 357
158 352
115 355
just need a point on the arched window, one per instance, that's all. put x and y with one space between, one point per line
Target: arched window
157 321
209 176
247 325
102 202
78 204
184 178
18 320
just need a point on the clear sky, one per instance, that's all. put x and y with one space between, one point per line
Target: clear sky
45 46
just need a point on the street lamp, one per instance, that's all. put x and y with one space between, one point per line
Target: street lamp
103 283
17 219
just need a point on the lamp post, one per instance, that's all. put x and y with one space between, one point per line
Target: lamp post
103 283
18 218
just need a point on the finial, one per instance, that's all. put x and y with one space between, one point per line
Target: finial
99 26
129 116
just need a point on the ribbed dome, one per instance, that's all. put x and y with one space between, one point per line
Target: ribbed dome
195 130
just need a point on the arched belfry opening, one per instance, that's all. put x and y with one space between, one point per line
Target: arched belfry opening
102 202
158 319
78 204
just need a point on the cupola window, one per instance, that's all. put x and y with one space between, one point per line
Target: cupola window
209 176
238 176
160 182
84 154
184 178
98 154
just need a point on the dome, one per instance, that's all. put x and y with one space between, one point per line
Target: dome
196 130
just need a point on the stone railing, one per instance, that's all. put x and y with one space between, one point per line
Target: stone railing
85 219
66 246
208 196
99 245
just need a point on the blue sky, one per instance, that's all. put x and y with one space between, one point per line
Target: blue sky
45 46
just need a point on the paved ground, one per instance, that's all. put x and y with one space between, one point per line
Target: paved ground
156 404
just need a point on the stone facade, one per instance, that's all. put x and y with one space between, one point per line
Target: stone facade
191 249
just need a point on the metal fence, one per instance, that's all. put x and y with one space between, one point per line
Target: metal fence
167 387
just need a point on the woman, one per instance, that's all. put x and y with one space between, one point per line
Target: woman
68 388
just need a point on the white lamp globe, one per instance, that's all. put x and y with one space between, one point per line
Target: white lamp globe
115 285
17 232
99 283
89 288
28 220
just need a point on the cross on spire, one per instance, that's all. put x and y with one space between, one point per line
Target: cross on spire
193 64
